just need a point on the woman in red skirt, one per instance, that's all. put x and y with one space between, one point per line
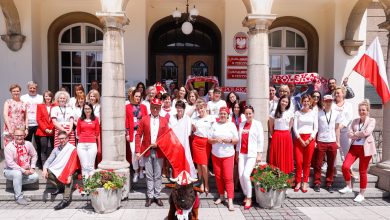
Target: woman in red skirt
201 126
305 129
281 150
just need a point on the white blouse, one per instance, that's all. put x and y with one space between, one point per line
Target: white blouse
96 110
62 114
214 107
346 112
203 125
225 130
283 123
306 123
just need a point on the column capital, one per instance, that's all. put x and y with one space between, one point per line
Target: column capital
258 22
115 20
384 25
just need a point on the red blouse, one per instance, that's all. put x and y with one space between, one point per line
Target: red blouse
88 131
244 138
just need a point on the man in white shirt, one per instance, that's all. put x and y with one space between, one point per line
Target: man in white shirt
33 99
216 103
328 141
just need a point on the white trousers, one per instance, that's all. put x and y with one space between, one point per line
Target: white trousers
245 168
136 163
87 155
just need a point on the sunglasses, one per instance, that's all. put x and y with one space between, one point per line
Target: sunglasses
248 107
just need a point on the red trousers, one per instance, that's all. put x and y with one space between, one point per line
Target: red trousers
353 154
223 170
303 157
330 149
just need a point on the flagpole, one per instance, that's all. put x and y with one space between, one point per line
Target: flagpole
144 152
346 77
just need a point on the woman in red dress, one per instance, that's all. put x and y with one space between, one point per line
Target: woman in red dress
281 148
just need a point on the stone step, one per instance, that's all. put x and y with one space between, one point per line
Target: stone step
323 194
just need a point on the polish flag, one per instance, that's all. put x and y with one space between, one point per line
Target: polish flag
65 164
372 67
175 146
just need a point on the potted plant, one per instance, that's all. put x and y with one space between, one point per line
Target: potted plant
105 189
270 185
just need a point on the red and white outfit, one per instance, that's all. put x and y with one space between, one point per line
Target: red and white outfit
326 144
250 143
363 147
87 131
305 127
167 113
214 107
63 116
200 148
281 152
46 140
223 157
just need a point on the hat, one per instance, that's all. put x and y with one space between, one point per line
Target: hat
224 108
328 97
159 88
156 101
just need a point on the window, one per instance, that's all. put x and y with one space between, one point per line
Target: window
288 51
80 55
199 68
169 72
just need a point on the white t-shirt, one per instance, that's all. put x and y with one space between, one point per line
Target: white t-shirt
72 102
306 123
62 114
96 110
346 112
203 125
283 123
214 107
147 105
32 102
225 130
77 113
327 131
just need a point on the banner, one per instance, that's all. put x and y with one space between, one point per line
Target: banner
237 60
194 79
298 79
235 73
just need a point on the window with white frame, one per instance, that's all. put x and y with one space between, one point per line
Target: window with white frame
80 55
288 51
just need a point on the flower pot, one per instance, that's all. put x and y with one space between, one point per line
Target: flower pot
271 199
106 201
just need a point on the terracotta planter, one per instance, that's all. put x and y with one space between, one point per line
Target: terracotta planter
106 201
270 200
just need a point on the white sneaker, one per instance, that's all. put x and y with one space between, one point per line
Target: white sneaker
141 175
135 178
359 198
345 190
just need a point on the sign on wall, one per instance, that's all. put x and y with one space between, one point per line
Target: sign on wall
237 60
240 42
235 73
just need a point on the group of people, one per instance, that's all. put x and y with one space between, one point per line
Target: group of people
58 124
223 132
321 125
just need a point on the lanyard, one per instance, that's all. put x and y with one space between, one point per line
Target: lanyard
63 112
330 117
360 127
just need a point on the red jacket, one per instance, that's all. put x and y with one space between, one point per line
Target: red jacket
44 121
143 132
130 121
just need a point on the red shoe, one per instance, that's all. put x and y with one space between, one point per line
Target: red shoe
248 207
296 189
304 190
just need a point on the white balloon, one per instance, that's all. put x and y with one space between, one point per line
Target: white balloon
187 28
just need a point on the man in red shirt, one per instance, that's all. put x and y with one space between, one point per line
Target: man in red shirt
149 129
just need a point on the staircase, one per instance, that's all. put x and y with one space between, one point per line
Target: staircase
40 191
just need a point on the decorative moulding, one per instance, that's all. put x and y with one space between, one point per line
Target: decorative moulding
351 47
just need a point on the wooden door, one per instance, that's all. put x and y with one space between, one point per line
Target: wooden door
170 67
199 65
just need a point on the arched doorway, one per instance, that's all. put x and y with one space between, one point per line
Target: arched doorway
174 56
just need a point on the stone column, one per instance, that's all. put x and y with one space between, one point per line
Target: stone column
258 20
382 170
113 98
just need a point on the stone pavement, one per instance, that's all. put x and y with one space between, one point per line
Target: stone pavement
328 209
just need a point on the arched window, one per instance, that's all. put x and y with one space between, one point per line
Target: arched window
199 68
169 72
80 55
288 51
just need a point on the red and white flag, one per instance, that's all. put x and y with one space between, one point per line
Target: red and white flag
175 146
65 164
372 67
